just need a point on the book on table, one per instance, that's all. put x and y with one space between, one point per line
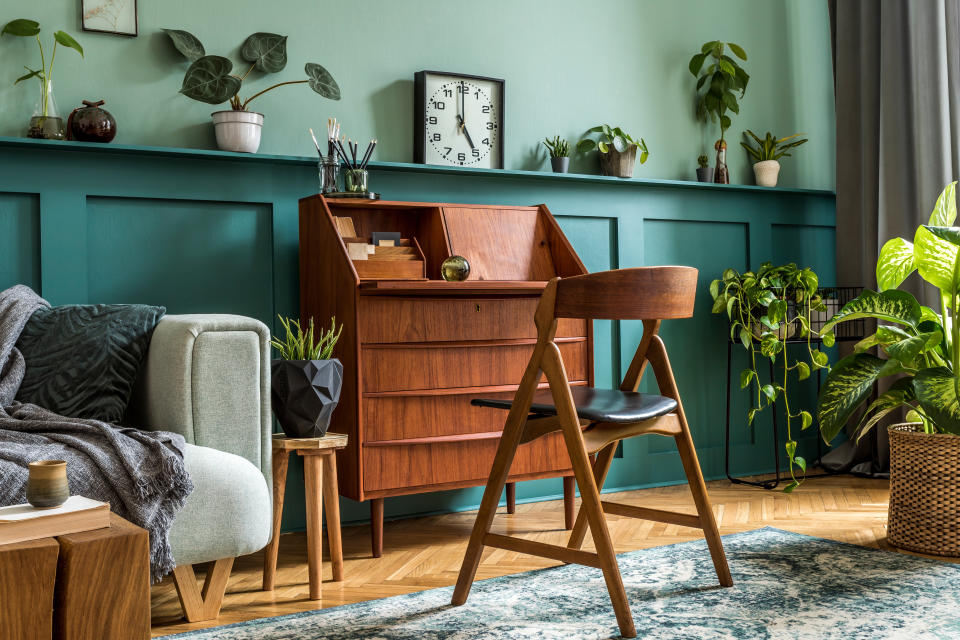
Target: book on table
21 522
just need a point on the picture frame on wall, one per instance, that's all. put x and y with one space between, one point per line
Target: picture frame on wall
118 17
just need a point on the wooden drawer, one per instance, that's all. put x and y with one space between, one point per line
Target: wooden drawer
388 319
466 463
390 368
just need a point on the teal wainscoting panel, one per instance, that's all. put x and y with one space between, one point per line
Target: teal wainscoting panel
20 240
189 256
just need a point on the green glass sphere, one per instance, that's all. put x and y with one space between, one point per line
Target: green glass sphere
455 269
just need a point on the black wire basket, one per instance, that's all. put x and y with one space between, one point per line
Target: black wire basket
834 298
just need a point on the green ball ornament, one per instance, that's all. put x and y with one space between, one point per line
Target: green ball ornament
455 269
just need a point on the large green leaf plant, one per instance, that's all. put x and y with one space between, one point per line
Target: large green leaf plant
210 78
720 78
914 342
26 28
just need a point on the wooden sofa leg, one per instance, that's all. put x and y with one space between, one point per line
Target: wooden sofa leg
199 605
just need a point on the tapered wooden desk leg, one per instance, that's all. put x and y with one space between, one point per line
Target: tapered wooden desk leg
569 495
331 504
313 481
376 526
511 497
281 458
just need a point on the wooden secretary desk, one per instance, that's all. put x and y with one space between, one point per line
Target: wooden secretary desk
417 349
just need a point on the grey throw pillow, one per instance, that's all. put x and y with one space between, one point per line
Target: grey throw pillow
82 360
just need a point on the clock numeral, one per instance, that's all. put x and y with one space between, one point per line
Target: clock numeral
461 157
432 120
461 88
486 108
439 105
476 153
447 93
491 126
447 152
477 95
436 137
486 141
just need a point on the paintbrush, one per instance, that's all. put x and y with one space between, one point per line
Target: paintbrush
315 143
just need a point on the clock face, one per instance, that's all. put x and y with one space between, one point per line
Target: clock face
462 121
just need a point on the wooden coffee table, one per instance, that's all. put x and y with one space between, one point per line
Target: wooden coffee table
93 584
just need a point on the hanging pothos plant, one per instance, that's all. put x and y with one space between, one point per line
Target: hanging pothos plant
765 309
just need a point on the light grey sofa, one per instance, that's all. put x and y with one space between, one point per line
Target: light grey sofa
207 377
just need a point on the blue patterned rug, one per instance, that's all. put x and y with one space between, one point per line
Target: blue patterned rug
786 586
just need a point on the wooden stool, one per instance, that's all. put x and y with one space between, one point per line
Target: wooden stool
594 421
317 453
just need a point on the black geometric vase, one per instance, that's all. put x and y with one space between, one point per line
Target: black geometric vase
304 394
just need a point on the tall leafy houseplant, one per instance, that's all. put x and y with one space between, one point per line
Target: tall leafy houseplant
26 28
915 342
720 81
765 308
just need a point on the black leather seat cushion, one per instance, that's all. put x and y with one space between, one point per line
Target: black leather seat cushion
598 405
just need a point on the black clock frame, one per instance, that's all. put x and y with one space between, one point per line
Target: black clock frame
420 111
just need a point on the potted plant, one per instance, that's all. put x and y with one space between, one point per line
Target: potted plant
306 380
767 153
618 150
721 81
559 154
209 79
766 308
46 122
921 347
704 171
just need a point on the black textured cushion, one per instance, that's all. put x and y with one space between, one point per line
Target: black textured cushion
82 360
598 405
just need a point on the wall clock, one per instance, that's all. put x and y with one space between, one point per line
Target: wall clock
458 120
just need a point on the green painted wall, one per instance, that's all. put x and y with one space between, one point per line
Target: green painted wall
568 64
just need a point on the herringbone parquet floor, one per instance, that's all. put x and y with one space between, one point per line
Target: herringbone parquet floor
423 553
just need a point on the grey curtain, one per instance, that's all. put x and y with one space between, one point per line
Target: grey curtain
897 83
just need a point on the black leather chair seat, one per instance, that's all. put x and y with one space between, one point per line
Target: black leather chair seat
597 405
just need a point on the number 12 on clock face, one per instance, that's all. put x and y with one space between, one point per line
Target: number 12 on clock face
458 120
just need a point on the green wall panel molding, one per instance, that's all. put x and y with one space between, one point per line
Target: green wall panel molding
212 232
554 85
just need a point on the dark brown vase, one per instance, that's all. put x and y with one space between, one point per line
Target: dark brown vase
90 123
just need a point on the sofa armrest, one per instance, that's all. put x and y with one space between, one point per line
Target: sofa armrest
207 377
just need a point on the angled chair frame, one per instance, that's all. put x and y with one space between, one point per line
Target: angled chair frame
584 438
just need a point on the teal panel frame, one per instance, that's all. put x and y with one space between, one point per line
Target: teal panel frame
245 208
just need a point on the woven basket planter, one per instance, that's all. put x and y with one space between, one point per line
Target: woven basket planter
924 491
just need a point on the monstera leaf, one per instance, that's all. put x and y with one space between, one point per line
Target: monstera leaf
936 390
892 306
848 384
208 80
268 51
321 81
186 43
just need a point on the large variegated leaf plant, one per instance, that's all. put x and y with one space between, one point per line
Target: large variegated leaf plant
916 343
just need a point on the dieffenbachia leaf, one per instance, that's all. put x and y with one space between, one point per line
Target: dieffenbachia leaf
186 43
899 394
895 263
321 81
937 393
891 306
906 351
268 51
935 257
848 384
945 211
208 80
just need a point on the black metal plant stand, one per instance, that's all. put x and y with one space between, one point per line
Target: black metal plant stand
835 297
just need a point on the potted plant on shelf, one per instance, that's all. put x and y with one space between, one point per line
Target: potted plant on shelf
209 79
704 171
723 78
921 347
46 122
306 380
559 154
766 308
767 153
618 150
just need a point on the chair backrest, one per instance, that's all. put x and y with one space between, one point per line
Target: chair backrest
642 293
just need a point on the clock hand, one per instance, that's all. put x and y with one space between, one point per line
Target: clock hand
463 128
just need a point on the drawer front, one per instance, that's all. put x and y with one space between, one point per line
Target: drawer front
437 367
390 320
425 465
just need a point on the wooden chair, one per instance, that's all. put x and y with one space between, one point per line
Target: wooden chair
596 420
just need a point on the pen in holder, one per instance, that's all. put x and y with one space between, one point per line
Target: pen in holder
354 166
329 170
355 180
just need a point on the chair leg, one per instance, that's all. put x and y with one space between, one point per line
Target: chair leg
600 468
688 455
199 605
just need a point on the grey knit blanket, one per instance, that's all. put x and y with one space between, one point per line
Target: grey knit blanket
140 473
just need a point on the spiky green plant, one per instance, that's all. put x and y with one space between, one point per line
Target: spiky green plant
771 148
703 161
298 344
558 147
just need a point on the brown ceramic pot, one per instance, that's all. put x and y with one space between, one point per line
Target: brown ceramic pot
47 485
90 123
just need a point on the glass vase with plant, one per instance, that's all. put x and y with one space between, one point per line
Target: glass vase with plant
46 121
765 309
618 149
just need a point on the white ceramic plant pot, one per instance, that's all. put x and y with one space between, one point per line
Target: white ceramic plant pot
238 130
766 173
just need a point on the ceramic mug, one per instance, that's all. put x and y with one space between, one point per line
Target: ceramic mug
47 485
